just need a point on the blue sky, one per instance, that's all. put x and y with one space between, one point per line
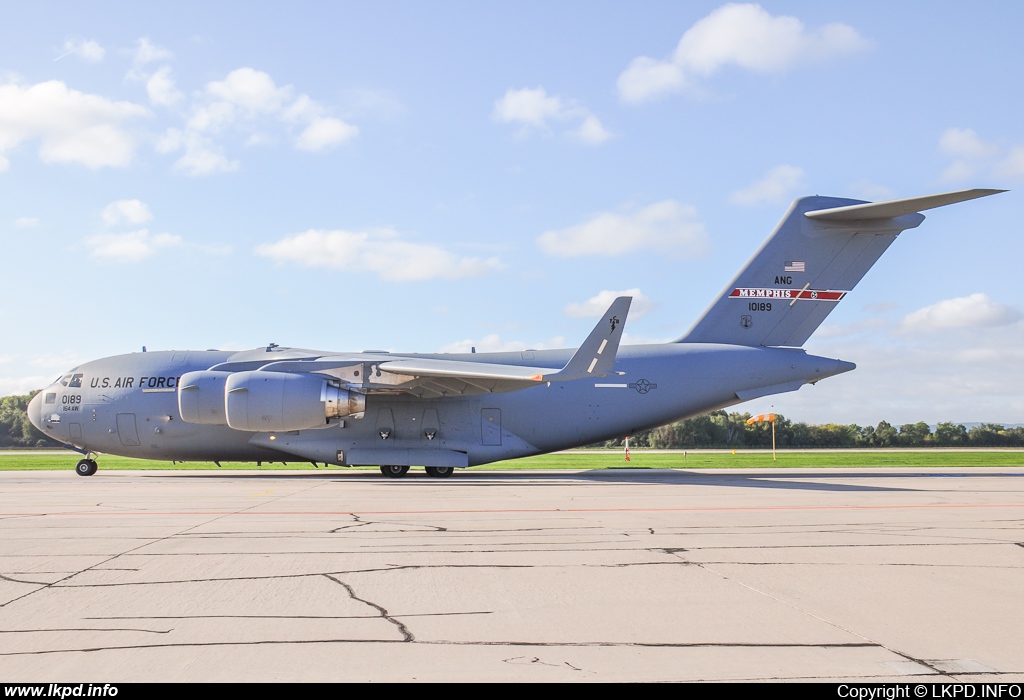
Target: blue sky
420 177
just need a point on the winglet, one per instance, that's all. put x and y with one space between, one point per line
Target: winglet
596 356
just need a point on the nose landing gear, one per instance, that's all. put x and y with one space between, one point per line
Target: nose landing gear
86 467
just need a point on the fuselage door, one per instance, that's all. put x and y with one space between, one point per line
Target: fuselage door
126 430
490 426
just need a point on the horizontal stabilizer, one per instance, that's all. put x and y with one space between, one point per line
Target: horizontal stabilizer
896 207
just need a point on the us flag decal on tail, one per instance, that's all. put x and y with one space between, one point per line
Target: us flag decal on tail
795 266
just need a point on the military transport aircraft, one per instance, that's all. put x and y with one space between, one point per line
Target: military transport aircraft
442 411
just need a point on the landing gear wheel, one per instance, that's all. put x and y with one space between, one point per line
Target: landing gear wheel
395 471
86 467
440 472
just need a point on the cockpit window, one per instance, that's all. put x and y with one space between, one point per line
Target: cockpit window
64 380
76 381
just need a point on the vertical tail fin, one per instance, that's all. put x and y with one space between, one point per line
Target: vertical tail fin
819 251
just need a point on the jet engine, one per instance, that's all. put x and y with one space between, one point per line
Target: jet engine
280 401
201 397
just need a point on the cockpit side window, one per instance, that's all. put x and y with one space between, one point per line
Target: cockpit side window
76 381
51 397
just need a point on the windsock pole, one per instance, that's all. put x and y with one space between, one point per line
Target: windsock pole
773 442
770 417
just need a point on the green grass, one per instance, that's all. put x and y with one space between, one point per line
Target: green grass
596 460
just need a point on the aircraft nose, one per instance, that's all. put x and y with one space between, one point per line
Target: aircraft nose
35 411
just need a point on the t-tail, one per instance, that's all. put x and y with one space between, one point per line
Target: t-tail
817 254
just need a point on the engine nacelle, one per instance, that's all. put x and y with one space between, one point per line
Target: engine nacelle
201 397
280 401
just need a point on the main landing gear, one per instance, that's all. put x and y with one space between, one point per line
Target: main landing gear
86 467
397 471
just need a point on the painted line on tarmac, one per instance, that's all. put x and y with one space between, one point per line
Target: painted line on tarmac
911 506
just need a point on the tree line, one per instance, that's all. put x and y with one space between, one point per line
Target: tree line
15 428
716 429
725 430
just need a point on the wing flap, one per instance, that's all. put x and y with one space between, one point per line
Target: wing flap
469 370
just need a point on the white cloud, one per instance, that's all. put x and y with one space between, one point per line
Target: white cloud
742 35
379 251
248 101
26 222
160 88
148 52
871 191
201 157
904 378
324 133
667 226
592 131
25 373
528 106
974 311
72 126
775 187
495 343
251 89
86 50
975 156
965 143
129 247
598 304
1012 165
534 110
126 211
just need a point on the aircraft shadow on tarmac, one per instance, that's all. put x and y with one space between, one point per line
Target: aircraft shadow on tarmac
765 479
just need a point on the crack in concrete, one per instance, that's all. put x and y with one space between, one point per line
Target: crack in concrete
407 636
582 645
284 617
356 522
535 660
401 567
43 587
4 577
823 620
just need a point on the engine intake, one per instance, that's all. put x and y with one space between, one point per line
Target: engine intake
280 401
201 397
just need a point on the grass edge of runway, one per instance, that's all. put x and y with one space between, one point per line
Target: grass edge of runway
597 459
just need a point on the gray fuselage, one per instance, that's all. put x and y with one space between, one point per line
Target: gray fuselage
128 405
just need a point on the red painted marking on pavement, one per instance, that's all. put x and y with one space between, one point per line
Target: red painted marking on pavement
521 510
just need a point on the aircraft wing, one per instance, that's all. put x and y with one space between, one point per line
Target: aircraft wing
427 377
442 377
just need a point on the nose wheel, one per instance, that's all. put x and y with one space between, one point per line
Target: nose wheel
86 467
394 471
